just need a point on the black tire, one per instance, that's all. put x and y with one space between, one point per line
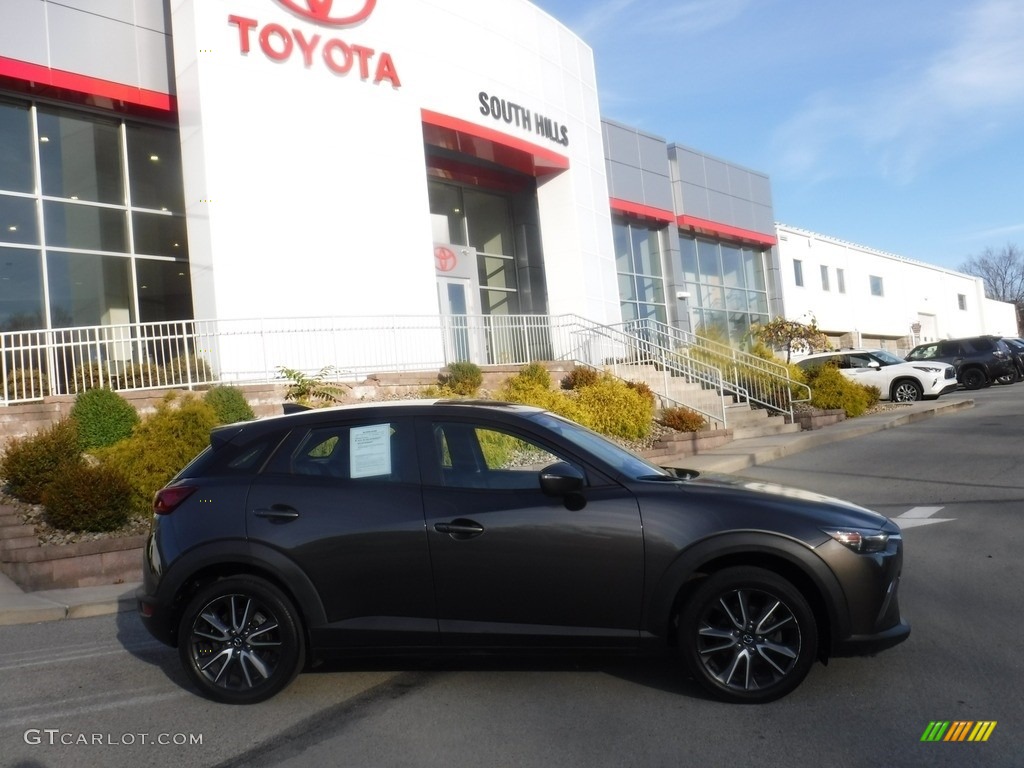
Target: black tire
906 391
973 378
240 640
729 649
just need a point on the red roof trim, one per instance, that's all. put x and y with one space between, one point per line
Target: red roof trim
93 86
545 160
725 230
638 209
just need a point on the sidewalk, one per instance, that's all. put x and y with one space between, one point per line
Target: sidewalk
17 607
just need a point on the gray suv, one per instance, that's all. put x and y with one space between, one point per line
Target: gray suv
979 360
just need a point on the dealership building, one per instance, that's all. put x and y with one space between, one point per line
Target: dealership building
247 161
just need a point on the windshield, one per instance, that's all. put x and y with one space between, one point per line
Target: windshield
887 358
626 462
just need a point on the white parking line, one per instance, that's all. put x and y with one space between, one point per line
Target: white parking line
916 516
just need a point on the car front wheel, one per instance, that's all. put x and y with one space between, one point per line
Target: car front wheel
240 640
747 635
974 378
906 391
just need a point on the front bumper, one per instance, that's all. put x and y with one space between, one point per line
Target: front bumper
869 645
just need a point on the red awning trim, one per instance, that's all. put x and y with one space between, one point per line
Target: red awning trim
727 231
638 209
93 86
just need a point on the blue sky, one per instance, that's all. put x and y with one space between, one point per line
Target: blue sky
894 125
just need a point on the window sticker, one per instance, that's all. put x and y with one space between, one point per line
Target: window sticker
370 451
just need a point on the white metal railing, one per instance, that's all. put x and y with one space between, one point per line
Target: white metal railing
193 353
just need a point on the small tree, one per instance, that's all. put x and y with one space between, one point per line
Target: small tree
791 335
1003 274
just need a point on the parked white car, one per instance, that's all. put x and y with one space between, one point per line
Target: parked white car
897 379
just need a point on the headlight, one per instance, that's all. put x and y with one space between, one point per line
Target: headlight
860 541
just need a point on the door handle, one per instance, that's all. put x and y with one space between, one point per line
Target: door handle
277 513
460 529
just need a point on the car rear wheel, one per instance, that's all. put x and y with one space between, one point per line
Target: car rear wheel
974 378
240 640
747 635
906 391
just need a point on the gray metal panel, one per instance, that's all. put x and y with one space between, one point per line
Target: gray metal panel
720 206
156 60
23 31
743 214
77 37
739 182
760 189
625 182
621 145
695 201
121 10
154 15
717 174
691 166
657 190
653 154
764 219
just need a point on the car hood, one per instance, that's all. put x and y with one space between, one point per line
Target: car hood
757 498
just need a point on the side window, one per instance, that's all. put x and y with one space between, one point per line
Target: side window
924 353
949 349
857 361
367 452
478 456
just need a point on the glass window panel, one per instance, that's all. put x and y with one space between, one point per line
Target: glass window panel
841 280
689 256
629 311
165 290
739 325
757 302
500 302
489 222
708 262
646 250
18 220
736 299
798 272
623 252
732 266
753 269
70 225
627 287
160 235
497 272
154 168
88 289
651 290
80 157
712 297
447 214
16 148
714 324
21 290
876 285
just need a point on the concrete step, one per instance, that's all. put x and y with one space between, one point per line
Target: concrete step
774 426
20 542
16 531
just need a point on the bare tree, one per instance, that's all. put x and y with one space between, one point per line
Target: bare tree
1003 274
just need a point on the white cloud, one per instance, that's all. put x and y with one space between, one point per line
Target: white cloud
953 98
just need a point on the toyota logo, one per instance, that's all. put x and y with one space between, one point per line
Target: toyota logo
336 14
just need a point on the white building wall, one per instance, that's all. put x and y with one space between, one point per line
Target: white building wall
914 293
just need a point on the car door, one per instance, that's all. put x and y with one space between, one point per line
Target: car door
512 565
342 500
864 369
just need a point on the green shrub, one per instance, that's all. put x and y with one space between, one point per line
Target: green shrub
86 497
830 389
462 378
229 403
26 383
31 463
103 417
643 388
537 374
187 369
532 386
161 445
610 407
314 391
874 394
579 377
682 419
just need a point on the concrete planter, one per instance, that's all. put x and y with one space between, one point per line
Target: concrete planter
818 418
689 443
86 564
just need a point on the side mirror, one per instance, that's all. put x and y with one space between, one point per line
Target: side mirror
874 364
560 479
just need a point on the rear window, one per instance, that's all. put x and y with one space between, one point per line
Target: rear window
982 345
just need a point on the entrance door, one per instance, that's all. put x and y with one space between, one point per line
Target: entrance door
458 299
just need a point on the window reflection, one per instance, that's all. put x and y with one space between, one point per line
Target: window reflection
80 157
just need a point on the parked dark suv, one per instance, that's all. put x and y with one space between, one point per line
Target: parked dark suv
447 526
979 360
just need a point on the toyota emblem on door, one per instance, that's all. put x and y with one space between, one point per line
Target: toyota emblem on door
338 13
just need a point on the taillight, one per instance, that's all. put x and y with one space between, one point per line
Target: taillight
168 499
